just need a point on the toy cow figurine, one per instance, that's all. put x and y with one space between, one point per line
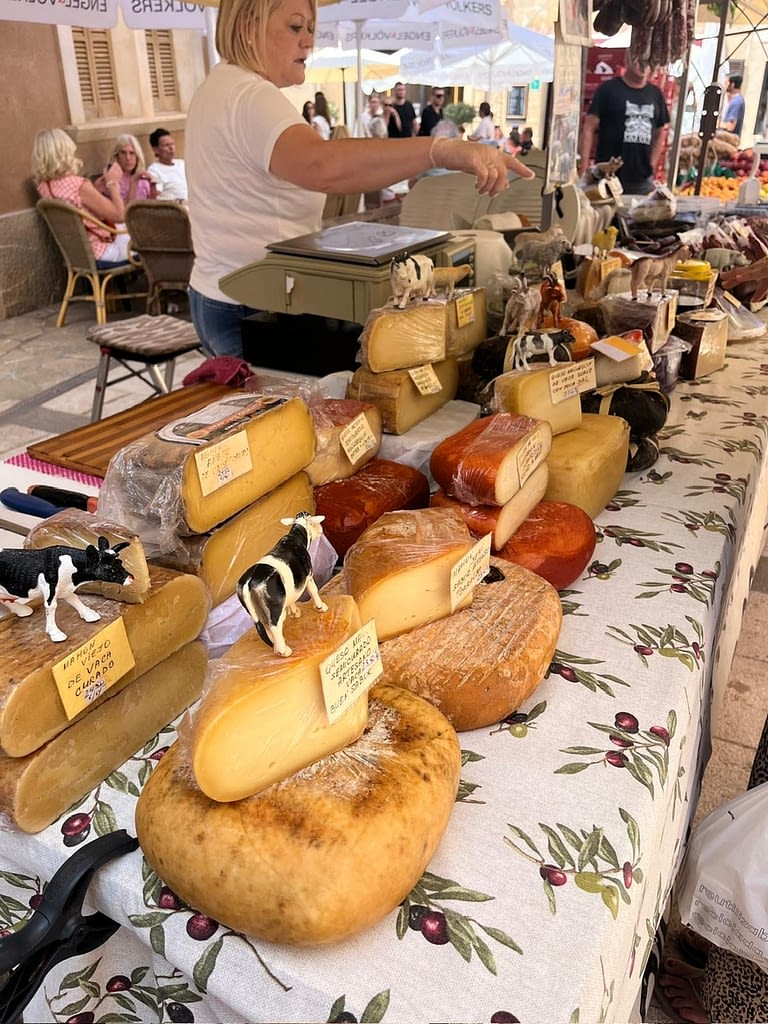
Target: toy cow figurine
411 276
54 573
271 589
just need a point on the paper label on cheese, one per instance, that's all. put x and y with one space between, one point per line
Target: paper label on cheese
529 456
709 316
465 309
732 299
357 438
616 348
571 379
350 671
470 570
220 463
87 672
426 380
217 419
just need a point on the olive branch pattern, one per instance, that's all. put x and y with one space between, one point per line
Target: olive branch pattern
518 724
372 1014
686 580
638 539
603 570
687 458
466 789
711 522
562 665
668 642
720 483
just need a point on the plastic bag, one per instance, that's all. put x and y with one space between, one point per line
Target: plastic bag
723 886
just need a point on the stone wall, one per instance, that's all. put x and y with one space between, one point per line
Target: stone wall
32 270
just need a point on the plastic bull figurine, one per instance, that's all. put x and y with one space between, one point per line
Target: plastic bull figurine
411 276
271 589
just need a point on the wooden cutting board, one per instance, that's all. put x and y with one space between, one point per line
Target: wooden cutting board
90 448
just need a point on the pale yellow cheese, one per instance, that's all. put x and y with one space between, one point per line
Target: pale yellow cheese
529 393
401 404
36 789
333 417
399 570
586 465
77 528
613 371
221 557
263 717
393 339
31 710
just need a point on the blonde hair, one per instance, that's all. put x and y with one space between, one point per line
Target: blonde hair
241 31
54 155
128 140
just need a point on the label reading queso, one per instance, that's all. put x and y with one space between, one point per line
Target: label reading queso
350 671
357 438
222 462
96 665
426 380
470 569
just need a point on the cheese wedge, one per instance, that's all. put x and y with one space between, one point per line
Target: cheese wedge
394 339
332 418
531 393
263 717
586 465
401 403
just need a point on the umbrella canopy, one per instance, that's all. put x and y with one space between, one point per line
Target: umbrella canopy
334 64
104 14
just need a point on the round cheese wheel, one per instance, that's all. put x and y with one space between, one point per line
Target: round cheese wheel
556 542
323 854
583 335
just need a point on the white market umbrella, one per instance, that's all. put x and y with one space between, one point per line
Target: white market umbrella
334 64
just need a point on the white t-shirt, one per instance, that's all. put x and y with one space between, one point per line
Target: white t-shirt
236 206
485 131
172 180
321 126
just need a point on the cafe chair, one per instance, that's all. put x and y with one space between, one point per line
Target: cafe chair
149 341
161 239
67 225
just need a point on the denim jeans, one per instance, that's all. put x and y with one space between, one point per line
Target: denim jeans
218 324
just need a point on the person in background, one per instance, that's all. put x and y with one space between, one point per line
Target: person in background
373 111
261 174
168 172
627 116
322 121
512 142
733 116
526 140
135 182
56 173
308 113
485 129
401 116
433 112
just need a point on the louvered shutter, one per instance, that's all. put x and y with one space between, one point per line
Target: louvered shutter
96 73
162 69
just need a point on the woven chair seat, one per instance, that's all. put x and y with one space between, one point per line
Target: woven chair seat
146 337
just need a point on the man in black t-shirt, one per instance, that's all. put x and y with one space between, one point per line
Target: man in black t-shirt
628 115
402 115
433 112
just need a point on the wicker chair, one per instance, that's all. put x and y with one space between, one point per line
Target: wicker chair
161 237
67 225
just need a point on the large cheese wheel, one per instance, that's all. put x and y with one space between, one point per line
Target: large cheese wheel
488 460
351 506
586 465
332 416
324 854
556 542
482 663
401 403
530 393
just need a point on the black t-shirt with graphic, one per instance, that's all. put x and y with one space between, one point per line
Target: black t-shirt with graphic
628 118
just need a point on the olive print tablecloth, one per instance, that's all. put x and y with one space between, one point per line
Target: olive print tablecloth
542 901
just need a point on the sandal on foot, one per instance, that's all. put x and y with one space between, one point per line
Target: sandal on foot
677 992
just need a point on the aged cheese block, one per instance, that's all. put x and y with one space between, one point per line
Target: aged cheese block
534 393
556 542
221 557
401 404
155 480
483 662
263 716
31 710
500 520
586 465
394 339
36 789
399 571
332 416
488 461
612 371
324 854
77 528
350 506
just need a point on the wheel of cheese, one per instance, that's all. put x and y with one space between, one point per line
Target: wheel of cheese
556 542
583 335
324 854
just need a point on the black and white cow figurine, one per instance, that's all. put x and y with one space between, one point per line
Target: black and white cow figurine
271 589
54 573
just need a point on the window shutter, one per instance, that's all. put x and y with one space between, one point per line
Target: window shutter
96 72
162 69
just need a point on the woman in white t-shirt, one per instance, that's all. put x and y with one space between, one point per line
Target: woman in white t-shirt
486 130
258 173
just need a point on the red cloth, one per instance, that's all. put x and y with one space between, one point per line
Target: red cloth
220 370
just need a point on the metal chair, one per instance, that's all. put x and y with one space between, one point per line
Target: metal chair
67 225
161 238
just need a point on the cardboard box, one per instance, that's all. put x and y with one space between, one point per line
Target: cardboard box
707 331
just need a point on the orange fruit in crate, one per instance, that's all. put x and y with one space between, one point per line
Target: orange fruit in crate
583 336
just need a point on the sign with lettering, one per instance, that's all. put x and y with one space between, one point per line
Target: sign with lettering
572 379
145 14
469 570
357 438
465 309
96 665
219 463
426 380
350 671
83 13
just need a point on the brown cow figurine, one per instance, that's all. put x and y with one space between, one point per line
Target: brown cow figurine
552 297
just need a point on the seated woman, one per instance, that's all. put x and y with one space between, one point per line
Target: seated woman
55 171
135 182
486 130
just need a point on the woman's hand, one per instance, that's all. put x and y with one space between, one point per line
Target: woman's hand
488 164
113 173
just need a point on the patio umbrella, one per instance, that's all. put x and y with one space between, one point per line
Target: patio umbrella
335 64
104 14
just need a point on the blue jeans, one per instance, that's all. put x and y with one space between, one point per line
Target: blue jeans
218 324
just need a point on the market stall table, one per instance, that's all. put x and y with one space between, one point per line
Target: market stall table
570 820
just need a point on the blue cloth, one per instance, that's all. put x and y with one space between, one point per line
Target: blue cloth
218 324
734 111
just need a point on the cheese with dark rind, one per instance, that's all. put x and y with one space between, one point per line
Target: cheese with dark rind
487 461
331 417
324 854
482 663
556 542
31 711
586 465
351 506
400 402
38 788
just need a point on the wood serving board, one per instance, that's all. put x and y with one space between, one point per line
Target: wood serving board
90 448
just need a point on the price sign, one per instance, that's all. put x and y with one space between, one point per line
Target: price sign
465 309
220 463
350 671
96 665
571 379
469 570
357 438
426 380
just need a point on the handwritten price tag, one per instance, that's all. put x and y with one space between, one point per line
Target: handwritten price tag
529 457
469 570
426 380
465 309
219 463
571 379
350 671
96 665
357 438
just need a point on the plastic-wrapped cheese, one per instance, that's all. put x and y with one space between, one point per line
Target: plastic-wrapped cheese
401 403
351 506
488 461
483 662
586 465
394 339
332 417
31 710
399 571
556 541
530 393
324 854
263 716
38 788
500 520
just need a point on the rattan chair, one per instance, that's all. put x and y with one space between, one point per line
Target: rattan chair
161 238
67 225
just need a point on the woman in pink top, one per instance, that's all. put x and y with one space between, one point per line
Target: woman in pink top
135 182
55 171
